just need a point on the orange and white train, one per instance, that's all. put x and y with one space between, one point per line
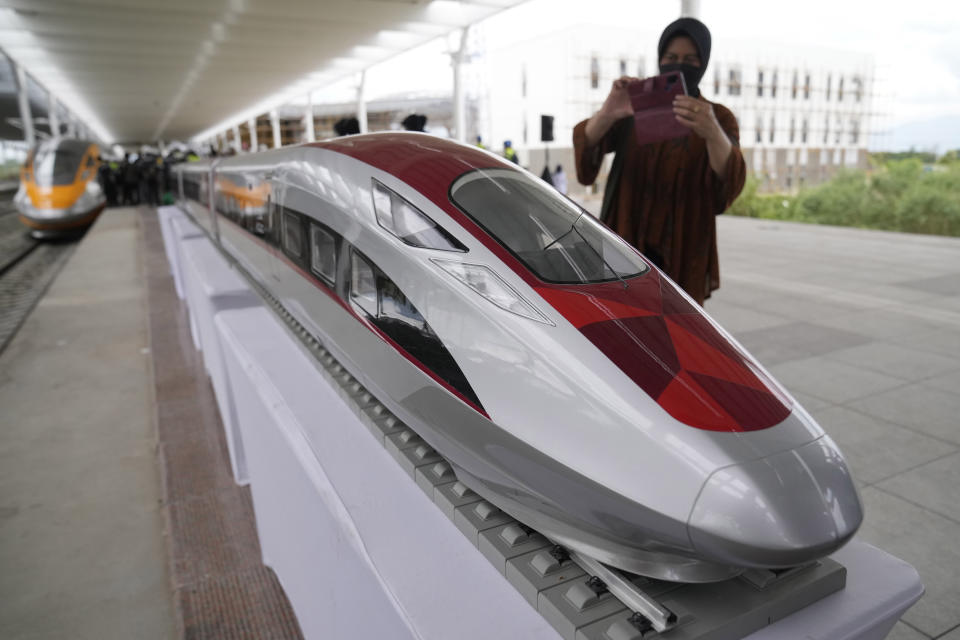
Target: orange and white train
59 193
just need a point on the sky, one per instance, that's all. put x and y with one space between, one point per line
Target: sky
915 46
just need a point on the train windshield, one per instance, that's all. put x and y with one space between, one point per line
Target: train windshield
57 163
557 240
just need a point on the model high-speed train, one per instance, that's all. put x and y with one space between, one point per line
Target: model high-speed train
59 193
565 378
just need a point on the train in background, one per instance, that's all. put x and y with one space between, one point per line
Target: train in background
59 193
565 378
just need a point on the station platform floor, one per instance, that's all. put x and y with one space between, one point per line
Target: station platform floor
118 517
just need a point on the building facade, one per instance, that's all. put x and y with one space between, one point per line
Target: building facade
804 113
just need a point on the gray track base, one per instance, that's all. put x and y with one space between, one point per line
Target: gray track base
473 518
507 541
455 494
728 610
538 570
574 604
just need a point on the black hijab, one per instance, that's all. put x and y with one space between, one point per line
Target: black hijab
696 31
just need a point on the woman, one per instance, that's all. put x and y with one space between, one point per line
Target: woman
663 197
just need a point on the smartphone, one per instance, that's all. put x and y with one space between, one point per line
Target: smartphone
652 101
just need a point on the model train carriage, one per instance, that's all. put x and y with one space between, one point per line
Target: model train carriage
59 193
566 379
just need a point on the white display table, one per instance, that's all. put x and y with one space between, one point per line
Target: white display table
172 235
210 288
359 548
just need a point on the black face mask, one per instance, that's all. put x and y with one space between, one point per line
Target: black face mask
691 76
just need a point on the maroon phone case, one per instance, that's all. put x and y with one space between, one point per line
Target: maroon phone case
652 101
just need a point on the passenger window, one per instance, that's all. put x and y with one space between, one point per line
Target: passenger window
363 284
323 253
262 222
292 236
380 299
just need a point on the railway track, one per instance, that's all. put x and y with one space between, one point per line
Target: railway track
27 267
10 259
15 242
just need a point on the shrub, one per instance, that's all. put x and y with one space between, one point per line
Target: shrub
900 195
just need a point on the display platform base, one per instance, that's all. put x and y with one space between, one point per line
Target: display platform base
375 537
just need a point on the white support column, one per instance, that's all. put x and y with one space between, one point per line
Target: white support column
221 142
254 143
26 118
275 125
53 117
237 144
362 102
689 8
459 102
310 134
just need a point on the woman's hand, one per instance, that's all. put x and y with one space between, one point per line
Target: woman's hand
698 115
616 106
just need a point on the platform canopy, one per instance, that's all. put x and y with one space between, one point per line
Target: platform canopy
140 70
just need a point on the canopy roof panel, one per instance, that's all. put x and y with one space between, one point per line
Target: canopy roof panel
141 70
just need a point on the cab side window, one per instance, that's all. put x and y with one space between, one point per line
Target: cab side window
374 295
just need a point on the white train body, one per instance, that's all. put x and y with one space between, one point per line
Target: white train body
567 380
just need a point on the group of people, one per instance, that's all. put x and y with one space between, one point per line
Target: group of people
138 179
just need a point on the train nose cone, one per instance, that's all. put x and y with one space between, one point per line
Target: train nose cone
779 511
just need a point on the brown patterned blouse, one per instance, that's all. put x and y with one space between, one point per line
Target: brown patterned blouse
667 198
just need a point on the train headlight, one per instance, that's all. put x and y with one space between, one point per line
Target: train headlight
492 287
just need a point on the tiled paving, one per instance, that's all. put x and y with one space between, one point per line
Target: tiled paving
863 327
81 536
